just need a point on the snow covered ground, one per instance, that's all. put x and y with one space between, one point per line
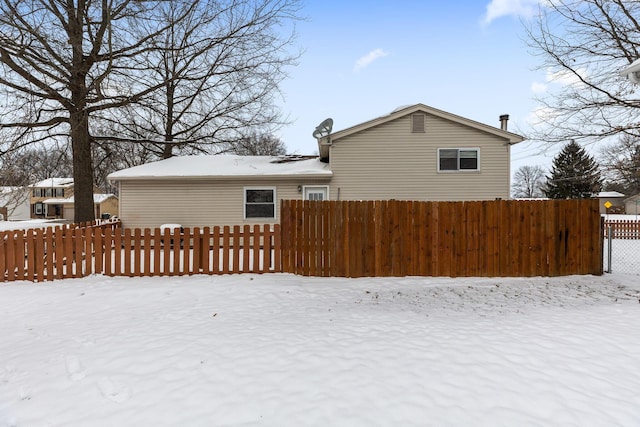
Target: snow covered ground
284 350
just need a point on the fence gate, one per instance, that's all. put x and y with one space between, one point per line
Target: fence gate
622 246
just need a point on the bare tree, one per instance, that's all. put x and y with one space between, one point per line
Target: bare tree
582 45
35 163
62 62
220 65
259 144
19 169
528 182
620 162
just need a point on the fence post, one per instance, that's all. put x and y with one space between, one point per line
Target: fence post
609 246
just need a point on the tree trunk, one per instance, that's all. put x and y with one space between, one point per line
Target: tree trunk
82 168
79 120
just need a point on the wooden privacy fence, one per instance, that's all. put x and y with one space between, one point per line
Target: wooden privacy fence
622 229
56 253
404 238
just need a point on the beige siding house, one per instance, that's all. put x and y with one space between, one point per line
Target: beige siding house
420 153
53 198
413 153
215 190
632 205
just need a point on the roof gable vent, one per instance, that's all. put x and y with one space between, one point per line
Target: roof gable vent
417 123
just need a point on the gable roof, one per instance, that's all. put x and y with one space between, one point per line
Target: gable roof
612 194
54 183
225 166
632 198
403 111
97 199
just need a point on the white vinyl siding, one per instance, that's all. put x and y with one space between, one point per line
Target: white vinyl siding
389 161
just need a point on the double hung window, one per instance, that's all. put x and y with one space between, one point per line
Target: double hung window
259 202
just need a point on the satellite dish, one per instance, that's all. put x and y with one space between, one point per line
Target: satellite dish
323 129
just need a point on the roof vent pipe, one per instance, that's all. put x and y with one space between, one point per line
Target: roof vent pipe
503 121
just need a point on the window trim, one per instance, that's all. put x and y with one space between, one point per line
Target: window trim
458 170
39 208
244 203
305 187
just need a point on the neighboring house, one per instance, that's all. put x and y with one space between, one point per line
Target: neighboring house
413 153
14 203
614 198
51 188
632 205
53 198
104 204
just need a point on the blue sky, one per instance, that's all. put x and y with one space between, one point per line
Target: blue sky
362 60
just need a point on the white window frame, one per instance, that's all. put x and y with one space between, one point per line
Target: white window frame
310 187
39 208
458 170
244 204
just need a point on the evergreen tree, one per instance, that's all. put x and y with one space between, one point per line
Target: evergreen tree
574 174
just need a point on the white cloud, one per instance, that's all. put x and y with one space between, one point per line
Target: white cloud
537 87
540 115
366 60
499 8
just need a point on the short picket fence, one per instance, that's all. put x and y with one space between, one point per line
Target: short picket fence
82 250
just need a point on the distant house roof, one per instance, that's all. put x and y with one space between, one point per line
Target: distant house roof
605 194
226 166
54 183
97 199
633 197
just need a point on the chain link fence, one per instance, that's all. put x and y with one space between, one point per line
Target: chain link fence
622 247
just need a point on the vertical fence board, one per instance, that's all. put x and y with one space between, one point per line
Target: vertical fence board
147 253
126 252
181 246
205 263
157 255
49 251
108 252
19 255
277 242
226 236
136 244
3 255
30 255
98 247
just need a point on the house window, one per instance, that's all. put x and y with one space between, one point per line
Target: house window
259 203
38 208
59 192
417 123
458 159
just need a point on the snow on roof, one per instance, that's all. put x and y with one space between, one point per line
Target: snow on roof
220 166
97 198
54 183
603 194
